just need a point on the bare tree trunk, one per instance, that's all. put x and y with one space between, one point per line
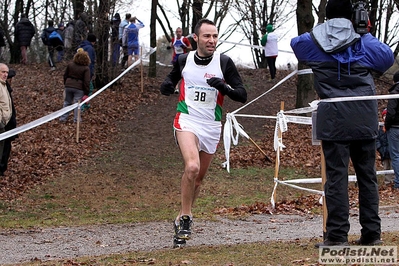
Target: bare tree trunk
321 13
152 72
396 52
102 33
197 15
184 17
305 93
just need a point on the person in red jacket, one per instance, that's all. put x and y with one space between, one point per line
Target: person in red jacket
181 45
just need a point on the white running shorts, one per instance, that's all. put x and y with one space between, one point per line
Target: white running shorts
207 132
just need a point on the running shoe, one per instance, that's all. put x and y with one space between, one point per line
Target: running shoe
183 229
178 242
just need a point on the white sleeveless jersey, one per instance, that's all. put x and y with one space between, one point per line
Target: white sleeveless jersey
197 98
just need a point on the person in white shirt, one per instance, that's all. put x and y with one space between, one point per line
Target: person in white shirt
269 41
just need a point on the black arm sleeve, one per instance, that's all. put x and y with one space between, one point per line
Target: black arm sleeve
233 78
175 75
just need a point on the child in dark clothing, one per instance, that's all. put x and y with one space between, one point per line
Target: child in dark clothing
383 149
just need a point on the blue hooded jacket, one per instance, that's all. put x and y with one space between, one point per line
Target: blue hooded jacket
88 47
342 62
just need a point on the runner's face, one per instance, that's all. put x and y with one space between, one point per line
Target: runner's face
206 40
3 72
179 33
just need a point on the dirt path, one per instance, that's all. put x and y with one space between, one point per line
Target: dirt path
66 243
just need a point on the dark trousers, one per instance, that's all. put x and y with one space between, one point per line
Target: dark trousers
271 63
337 155
116 52
51 56
5 156
125 56
2 130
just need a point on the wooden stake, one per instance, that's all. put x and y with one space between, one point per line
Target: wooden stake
141 69
276 169
259 148
78 123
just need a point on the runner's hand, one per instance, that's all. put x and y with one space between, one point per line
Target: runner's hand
167 88
219 84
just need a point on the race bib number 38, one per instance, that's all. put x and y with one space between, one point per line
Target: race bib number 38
202 97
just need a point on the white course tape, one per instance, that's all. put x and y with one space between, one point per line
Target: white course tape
271 89
290 118
351 178
305 71
230 126
253 46
281 123
64 110
232 122
281 126
358 98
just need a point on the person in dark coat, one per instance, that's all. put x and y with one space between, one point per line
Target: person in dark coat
392 127
24 32
343 62
116 47
382 146
81 29
10 125
45 38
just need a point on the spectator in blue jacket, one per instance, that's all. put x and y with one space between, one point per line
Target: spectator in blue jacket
122 26
88 46
342 61
45 38
131 38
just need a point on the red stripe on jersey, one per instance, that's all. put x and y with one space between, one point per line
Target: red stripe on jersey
220 99
182 92
176 123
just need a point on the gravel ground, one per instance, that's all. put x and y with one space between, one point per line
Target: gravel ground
72 242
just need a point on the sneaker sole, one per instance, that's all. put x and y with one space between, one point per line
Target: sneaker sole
183 236
178 242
